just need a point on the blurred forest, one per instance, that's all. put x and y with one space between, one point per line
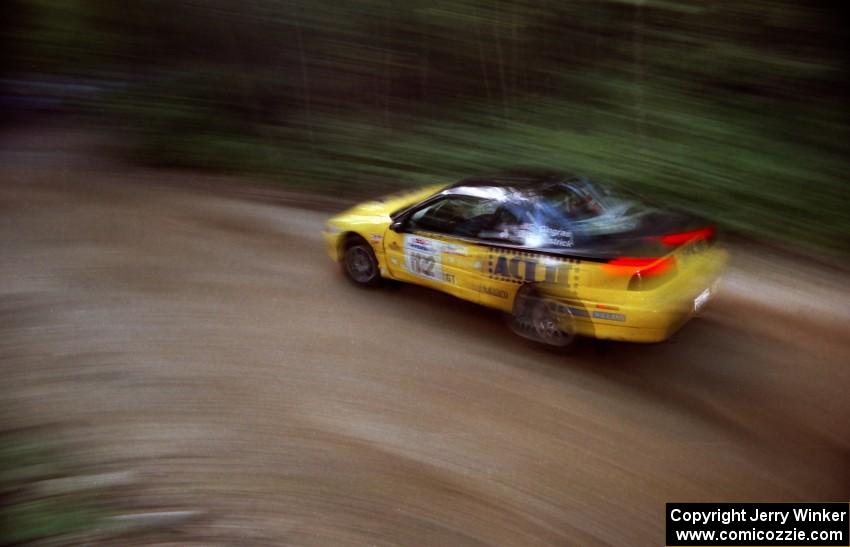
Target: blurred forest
732 109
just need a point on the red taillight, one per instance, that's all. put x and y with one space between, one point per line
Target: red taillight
686 237
645 273
645 266
638 262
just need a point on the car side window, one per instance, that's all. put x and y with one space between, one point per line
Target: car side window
563 205
510 221
530 225
462 216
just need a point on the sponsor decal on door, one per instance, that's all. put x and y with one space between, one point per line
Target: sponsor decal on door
422 257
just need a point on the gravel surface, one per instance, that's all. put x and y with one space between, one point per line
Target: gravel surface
206 344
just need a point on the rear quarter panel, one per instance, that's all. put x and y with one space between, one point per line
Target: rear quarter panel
604 307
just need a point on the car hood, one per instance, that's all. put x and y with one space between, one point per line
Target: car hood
382 207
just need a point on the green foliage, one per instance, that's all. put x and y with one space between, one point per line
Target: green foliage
733 110
28 515
43 519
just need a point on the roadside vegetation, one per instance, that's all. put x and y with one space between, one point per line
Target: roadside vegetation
41 502
734 110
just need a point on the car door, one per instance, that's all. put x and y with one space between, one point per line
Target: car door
519 252
435 245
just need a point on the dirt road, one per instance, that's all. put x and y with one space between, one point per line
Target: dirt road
208 344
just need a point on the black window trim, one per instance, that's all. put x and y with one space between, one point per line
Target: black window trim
411 210
427 202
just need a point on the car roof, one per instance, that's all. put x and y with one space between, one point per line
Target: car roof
518 183
518 178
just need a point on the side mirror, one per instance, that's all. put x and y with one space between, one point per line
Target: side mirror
397 226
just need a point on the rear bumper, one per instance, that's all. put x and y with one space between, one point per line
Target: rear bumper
642 324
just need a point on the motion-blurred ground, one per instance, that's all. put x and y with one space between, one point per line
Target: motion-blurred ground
205 342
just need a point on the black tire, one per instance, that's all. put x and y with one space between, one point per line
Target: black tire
542 320
359 263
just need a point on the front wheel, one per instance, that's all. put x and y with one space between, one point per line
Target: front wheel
541 319
360 265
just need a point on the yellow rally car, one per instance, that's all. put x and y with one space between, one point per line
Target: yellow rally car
564 256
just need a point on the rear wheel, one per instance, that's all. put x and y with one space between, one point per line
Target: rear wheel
359 263
541 319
